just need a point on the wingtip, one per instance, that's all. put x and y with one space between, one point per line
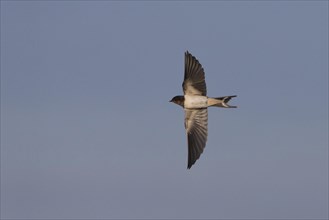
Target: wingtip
189 165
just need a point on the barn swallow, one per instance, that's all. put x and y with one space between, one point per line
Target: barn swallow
195 103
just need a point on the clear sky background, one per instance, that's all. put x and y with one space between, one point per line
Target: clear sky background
87 130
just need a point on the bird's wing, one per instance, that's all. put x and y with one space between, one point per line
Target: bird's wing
196 125
194 79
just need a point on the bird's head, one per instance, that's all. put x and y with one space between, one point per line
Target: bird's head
179 100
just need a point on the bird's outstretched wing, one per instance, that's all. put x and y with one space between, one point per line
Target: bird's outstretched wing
194 79
196 125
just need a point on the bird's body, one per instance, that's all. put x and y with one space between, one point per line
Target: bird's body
195 103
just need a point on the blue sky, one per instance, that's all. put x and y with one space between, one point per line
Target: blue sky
87 130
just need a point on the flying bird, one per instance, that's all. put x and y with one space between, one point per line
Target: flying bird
195 103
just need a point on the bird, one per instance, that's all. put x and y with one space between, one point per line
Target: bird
195 103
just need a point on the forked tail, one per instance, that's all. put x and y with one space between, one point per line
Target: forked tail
221 101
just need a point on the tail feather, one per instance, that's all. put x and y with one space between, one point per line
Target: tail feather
221 101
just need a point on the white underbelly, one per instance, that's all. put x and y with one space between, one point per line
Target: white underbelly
195 101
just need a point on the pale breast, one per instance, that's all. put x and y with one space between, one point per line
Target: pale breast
195 101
